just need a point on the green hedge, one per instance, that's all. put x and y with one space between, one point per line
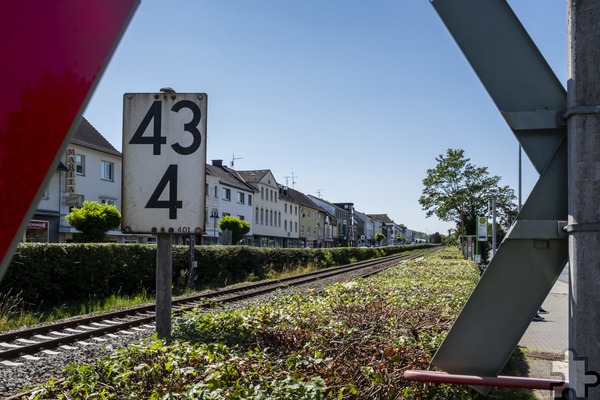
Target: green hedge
54 274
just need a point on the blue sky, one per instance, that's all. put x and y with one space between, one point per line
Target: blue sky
354 98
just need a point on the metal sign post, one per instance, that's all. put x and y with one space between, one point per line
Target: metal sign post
164 174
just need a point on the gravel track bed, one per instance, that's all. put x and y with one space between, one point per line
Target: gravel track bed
49 366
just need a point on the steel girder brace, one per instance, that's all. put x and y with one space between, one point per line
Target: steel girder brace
535 250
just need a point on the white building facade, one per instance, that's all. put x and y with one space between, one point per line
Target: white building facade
90 170
269 228
226 194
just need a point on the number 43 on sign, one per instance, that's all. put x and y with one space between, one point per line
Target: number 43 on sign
164 162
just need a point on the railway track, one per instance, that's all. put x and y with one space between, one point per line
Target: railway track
32 340
75 332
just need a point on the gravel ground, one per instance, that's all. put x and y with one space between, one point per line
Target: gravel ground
32 372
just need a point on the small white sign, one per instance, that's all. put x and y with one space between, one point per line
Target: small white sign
164 162
482 229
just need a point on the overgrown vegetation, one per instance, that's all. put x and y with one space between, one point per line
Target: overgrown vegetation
52 275
352 341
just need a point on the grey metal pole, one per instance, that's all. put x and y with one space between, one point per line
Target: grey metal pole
164 279
520 178
493 226
583 102
192 274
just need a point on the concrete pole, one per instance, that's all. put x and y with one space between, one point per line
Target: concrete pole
583 99
164 280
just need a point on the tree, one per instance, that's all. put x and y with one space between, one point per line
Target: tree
379 237
435 238
237 227
456 190
93 220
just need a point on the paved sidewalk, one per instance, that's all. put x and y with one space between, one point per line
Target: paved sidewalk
545 343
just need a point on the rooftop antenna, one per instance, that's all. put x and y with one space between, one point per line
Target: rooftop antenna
319 193
293 180
233 158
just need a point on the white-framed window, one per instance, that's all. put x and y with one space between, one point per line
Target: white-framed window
262 193
285 208
107 171
226 194
80 164
256 216
216 191
241 197
241 217
249 199
285 225
262 216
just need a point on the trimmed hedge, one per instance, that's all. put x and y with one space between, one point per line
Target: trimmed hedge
54 274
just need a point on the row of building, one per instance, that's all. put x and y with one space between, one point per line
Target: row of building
279 216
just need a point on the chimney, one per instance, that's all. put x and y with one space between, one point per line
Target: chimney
217 163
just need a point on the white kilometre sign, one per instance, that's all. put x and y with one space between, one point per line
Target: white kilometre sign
164 162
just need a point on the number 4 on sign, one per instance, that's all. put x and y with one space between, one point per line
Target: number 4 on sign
169 178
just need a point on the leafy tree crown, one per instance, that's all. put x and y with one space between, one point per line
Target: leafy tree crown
93 220
456 190
238 227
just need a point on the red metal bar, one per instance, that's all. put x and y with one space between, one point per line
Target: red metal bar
500 381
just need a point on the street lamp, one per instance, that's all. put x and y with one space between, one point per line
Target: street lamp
214 214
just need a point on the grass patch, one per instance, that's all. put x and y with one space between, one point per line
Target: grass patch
14 313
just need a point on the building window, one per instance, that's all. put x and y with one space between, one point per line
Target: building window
216 191
296 227
241 217
262 216
262 193
80 164
107 200
256 216
285 208
296 209
37 231
271 218
271 196
226 194
107 170
285 225
241 197
279 219
206 189
249 199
